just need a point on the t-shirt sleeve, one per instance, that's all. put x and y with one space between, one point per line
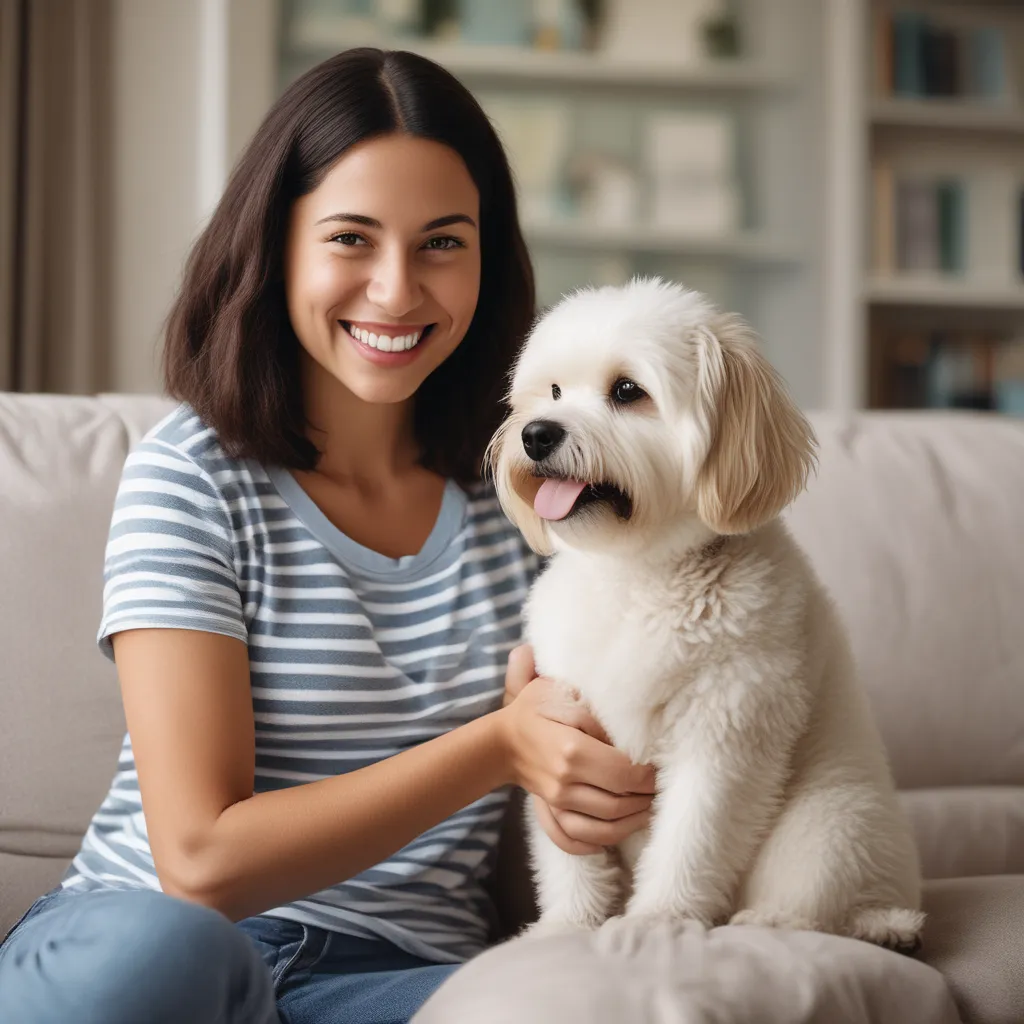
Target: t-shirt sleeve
170 557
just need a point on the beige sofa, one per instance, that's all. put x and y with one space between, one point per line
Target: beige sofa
916 523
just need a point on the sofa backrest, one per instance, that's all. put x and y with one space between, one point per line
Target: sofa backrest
914 522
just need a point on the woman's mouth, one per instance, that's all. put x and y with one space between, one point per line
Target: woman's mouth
392 342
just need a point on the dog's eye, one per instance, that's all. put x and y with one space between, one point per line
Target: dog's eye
556 392
625 391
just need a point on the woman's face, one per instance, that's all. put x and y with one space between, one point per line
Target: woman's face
382 265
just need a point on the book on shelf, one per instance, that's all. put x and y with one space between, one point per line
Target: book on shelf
919 222
944 369
920 56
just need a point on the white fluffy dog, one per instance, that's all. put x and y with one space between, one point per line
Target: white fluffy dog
650 450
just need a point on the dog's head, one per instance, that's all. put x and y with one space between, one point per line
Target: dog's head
637 407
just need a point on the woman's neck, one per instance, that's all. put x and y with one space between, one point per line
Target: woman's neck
361 443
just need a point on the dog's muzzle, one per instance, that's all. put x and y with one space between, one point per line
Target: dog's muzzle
542 438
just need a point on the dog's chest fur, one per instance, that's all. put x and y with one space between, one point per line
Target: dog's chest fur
637 644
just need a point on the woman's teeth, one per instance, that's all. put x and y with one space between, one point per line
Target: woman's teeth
384 342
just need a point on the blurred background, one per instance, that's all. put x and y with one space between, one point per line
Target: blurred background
849 174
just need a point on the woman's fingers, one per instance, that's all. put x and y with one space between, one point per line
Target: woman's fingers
585 759
581 828
569 712
557 835
596 803
520 671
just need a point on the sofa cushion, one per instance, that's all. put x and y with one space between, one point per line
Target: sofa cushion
687 973
974 935
968 830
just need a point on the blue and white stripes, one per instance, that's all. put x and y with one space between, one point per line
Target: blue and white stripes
353 657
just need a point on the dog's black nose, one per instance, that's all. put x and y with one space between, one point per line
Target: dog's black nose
541 438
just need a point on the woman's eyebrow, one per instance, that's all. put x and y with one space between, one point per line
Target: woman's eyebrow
452 218
370 222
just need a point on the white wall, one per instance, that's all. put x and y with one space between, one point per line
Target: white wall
164 157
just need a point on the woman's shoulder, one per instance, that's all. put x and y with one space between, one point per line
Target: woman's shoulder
181 442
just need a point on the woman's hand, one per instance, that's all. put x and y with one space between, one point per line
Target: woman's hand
587 795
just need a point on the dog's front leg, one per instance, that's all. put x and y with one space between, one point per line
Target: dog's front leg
721 779
573 892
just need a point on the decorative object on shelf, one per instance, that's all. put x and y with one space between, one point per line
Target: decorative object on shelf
496 22
559 25
440 19
722 36
604 190
690 158
679 29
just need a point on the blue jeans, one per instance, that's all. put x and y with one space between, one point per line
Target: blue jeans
139 957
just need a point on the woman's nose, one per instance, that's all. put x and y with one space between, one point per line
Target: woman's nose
394 286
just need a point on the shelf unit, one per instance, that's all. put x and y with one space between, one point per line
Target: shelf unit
805 96
977 141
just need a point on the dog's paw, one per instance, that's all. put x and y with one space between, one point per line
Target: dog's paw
895 928
763 918
645 917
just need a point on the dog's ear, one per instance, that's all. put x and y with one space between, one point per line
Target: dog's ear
761 446
507 481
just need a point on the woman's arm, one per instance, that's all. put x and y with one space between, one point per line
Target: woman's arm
189 709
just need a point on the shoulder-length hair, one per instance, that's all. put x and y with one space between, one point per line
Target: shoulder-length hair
230 351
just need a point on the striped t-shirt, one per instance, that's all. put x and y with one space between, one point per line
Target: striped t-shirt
353 657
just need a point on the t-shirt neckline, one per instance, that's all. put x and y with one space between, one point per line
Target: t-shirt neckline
353 555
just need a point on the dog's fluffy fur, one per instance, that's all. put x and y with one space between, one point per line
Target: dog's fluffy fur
696 632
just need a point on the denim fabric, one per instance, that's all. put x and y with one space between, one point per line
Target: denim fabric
140 957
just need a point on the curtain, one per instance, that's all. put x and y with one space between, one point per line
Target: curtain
55 185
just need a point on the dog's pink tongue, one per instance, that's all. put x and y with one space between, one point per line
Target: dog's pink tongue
556 498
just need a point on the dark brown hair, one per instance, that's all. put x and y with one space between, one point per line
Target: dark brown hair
230 350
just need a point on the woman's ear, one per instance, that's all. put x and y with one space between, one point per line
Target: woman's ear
761 446
511 483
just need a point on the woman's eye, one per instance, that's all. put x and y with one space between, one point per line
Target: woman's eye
443 243
348 238
625 391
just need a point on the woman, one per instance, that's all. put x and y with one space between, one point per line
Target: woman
311 597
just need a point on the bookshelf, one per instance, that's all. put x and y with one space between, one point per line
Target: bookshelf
813 114
942 284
